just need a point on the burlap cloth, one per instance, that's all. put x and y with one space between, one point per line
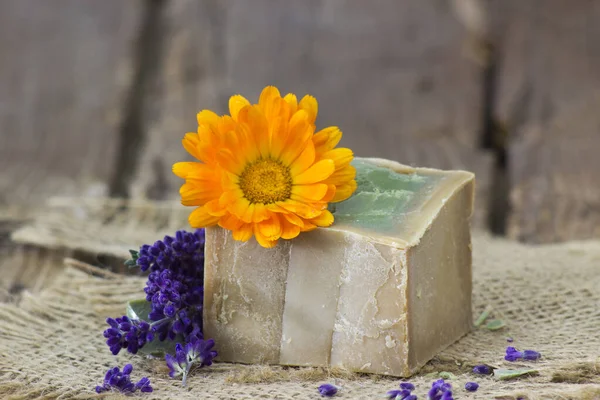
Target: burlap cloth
51 343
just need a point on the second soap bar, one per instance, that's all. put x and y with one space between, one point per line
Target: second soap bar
382 290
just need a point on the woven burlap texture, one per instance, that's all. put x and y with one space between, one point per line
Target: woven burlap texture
51 343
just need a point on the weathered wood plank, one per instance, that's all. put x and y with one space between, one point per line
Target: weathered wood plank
548 75
554 170
65 65
391 74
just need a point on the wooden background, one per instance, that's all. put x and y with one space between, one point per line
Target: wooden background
95 95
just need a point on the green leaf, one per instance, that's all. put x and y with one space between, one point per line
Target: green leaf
139 309
447 375
132 262
483 316
506 374
495 324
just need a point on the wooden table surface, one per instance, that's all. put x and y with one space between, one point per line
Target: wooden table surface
96 95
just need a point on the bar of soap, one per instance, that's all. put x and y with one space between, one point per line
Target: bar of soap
382 291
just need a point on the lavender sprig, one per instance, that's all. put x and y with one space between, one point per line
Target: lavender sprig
175 290
175 284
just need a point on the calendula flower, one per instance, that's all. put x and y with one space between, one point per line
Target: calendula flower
263 171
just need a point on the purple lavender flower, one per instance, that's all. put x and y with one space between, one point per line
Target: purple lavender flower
402 394
175 289
175 284
407 386
531 355
440 390
117 380
328 390
471 386
197 351
127 333
482 369
513 354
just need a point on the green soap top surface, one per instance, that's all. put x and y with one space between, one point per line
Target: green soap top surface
384 198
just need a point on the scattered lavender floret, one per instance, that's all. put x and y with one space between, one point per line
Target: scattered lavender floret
482 369
407 386
510 340
197 351
328 390
471 386
400 394
440 390
117 380
531 355
127 333
513 354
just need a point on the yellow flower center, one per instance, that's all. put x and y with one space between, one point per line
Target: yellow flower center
266 181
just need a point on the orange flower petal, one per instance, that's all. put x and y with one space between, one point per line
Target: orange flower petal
342 176
257 124
343 192
292 101
294 219
236 103
243 233
262 240
199 218
340 156
327 138
308 226
226 124
299 136
325 219
213 208
229 181
278 134
331 190
230 162
310 105
301 209
289 230
191 144
269 102
316 173
239 208
314 192
261 213
208 119
248 215
193 194
230 197
270 228
183 169
230 222
304 160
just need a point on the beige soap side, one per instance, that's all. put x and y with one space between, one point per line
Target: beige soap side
244 297
439 280
370 332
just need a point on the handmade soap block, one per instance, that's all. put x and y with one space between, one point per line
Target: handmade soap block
383 290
